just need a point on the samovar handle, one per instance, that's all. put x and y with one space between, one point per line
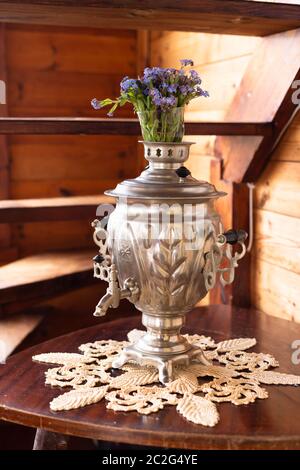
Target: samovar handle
106 270
217 255
235 236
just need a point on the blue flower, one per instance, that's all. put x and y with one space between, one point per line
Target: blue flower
170 102
164 86
200 92
156 96
96 103
186 62
172 88
195 77
128 84
151 73
158 88
186 89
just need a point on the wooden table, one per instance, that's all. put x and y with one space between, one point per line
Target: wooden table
273 423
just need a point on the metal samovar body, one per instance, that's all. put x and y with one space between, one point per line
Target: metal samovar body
162 250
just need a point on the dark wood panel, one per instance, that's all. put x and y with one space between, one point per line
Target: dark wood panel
211 16
65 187
265 424
66 125
94 51
56 157
61 208
56 91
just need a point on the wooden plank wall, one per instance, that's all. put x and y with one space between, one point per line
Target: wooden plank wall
55 71
276 261
221 61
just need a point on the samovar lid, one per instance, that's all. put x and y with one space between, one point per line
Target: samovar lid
165 177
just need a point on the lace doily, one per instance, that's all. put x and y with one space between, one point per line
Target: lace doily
235 376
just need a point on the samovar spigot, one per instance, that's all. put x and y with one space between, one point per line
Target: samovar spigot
114 294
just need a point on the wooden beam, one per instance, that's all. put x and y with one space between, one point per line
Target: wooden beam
211 16
47 209
265 94
113 126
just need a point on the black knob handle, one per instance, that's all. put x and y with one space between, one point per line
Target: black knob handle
183 172
98 259
234 236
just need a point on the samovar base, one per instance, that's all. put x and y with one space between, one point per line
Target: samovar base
162 345
163 362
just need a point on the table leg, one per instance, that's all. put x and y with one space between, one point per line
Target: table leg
47 440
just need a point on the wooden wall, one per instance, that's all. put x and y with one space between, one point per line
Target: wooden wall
276 260
56 72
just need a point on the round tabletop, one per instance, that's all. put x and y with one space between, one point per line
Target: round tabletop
266 424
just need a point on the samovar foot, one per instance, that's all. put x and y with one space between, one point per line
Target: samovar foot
200 357
165 365
122 358
165 371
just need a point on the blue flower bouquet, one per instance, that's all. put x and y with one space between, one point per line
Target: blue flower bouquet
159 98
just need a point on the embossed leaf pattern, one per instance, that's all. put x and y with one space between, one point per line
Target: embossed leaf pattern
77 398
236 378
170 278
198 410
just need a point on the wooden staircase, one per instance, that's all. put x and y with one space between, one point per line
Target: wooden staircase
46 209
41 276
245 140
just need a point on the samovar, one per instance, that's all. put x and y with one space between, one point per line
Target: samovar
163 249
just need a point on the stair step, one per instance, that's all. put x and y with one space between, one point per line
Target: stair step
45 275
69 125
254 18
56 208
15 328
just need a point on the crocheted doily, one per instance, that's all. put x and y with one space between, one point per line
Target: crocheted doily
235 376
